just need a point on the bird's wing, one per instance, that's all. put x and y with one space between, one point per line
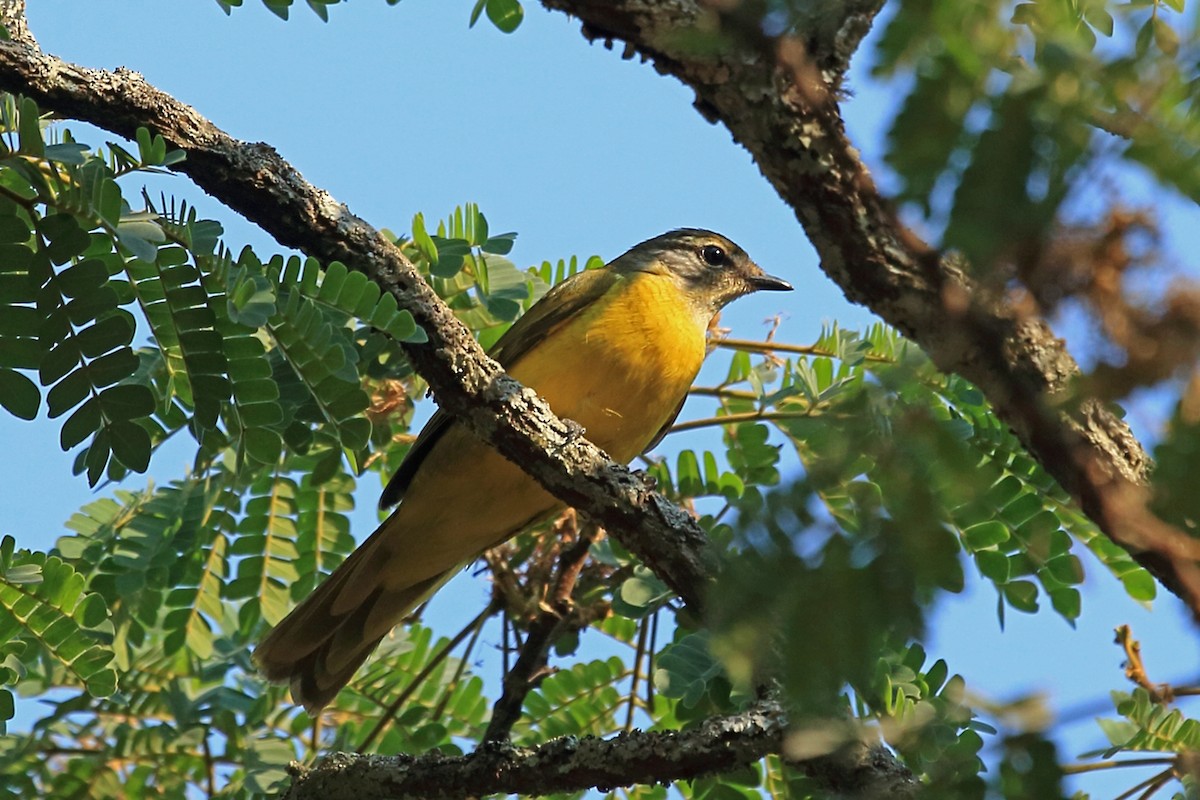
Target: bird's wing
562 303
658 437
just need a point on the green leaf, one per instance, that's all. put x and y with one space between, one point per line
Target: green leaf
685 669
1066 569
1100 19
449 256
18 394
65 239
1164 36
82 278
29 129
993 565
505 14
130 444
1024 14
7 709
66 153
501 244
14 230
476 12
141 237
986 534
126 402
688 480
42 600
422 240
82 423
1067 601
102 683
993 206
263 445
1021 595
642 592
266 760
252 301
1140 585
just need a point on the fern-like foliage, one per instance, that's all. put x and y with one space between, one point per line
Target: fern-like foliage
45 612
846 480
184 326
136 552
1149 724
227 336
585 699
1011 516
422 722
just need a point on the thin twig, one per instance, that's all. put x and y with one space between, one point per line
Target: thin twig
253 180
766 90
1151 785
639 654
1079 769
389 714
733 419
1158 783
653 648
1135 668
210 766
751 346
505 650
722 392
463 660
552 619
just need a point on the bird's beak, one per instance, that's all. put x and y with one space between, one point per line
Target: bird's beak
763 282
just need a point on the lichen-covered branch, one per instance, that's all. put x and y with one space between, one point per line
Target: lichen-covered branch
255 181
571 765
778 99
12 17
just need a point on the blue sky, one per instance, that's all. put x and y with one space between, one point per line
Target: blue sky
402 109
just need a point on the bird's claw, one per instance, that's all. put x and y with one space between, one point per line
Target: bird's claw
646 478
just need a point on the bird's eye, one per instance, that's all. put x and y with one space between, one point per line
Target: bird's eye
713 256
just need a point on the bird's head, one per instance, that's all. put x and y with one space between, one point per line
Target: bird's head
709 268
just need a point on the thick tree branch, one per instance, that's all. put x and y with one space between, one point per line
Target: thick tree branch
776 103
774 96
12 17
255 181
570 765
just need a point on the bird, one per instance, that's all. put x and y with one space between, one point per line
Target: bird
614 350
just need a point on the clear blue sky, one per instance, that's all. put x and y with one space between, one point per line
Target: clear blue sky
400 110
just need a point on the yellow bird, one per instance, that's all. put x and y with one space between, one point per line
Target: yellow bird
613 349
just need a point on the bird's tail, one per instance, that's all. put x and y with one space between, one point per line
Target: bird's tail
317 651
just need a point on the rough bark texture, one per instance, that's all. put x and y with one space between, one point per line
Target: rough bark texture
569 765
12 17
255 181
775 97
778 99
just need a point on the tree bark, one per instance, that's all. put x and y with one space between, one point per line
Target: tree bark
778 97
255 181
571 765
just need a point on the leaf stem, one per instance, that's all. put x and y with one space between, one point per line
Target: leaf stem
733 419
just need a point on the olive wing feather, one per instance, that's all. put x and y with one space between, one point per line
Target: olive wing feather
545 318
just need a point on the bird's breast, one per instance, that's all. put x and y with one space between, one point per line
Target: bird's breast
622 367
